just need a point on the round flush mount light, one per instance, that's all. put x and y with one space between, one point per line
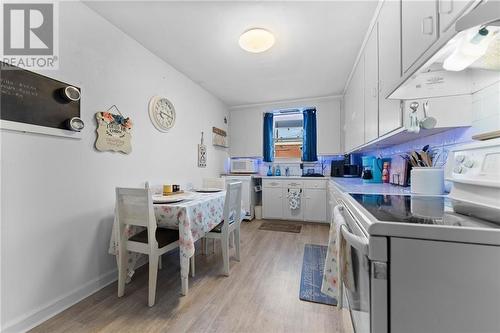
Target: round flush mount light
256 40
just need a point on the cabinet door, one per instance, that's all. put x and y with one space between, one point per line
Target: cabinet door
357 127
328 123
354 109
450 11
419 27
389 64
347 119
243 122
315 205
371 86
293 214
272 203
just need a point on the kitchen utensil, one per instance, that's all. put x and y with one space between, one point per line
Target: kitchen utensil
416 159
414 123
427 122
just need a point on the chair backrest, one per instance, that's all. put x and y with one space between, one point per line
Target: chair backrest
134 206
219 183
232 205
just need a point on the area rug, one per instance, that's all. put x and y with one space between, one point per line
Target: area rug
294 227
312 275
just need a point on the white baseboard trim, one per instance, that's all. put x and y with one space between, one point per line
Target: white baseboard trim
38 316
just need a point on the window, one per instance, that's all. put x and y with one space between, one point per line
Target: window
288 134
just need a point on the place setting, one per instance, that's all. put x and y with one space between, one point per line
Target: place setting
171 194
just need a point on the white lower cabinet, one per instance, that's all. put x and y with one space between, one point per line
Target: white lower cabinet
272 203
314 205
313 198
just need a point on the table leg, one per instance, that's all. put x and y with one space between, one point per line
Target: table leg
184 274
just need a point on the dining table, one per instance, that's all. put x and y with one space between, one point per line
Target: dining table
194 216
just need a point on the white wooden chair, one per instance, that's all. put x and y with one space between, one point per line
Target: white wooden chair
135 207
230 224
158 189
214 182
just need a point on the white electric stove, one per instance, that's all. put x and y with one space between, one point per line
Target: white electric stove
429 264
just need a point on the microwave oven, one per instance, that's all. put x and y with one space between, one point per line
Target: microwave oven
244 165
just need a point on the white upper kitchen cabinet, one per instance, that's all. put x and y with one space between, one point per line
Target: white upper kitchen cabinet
355 110
450 11
328 126
389 64
419 29
245 133
371 86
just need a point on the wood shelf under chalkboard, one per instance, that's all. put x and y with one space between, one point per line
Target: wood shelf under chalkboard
31 102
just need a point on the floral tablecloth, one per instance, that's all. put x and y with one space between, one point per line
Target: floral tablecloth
195 216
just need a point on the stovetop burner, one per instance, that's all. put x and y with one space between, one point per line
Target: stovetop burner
417 210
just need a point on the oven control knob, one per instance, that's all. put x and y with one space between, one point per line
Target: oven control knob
468 163
459 158
458 169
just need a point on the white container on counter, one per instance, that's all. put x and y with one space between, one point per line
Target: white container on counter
428 181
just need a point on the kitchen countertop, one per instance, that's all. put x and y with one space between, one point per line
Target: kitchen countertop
295 177
355 185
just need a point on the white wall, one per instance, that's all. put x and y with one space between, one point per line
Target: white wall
58 194
246 125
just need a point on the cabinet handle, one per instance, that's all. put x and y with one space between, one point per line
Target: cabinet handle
428 25
442 9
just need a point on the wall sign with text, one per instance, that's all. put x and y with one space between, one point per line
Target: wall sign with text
113 132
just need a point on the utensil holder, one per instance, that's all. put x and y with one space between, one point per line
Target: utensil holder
428 181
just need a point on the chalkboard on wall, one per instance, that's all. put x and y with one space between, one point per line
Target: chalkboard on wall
31 98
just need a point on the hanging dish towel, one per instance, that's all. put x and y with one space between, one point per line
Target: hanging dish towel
294 198
337 263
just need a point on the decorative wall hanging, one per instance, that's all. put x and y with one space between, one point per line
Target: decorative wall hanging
34 103
202 154
113 131
219 137
162 113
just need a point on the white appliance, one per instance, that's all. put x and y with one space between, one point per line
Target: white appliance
244 165
428 263
248 193
462 60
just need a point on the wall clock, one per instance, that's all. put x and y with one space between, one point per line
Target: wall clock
162 113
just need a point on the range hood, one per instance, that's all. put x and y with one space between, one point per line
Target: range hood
464 60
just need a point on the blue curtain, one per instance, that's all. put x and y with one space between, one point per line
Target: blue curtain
268 148
309 153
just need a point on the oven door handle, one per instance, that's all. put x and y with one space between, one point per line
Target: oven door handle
357 242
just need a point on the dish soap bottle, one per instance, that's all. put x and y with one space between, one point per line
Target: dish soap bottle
278 171
269 171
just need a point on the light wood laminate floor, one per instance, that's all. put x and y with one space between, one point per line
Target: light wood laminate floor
260 295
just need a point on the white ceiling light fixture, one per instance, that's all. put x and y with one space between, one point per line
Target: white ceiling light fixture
256 40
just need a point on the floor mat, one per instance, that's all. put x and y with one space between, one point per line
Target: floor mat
294 227
312 275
